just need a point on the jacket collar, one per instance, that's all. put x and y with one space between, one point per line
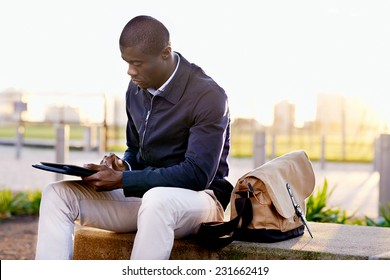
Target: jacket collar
175 89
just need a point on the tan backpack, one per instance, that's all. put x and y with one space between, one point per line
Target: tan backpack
267 204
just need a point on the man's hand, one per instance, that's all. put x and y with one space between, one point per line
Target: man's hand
113 161
106 179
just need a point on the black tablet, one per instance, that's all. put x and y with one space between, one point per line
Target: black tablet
67 169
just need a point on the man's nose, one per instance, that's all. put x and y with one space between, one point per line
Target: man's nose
131 71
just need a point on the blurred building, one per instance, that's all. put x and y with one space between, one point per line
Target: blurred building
284 117
84 109
62 114
331 113
245 125
347 115
12 105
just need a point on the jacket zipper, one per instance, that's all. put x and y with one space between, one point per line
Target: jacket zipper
146 124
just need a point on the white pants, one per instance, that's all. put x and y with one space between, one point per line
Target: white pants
163 214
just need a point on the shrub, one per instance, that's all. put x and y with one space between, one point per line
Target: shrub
317 209
383 220
19 203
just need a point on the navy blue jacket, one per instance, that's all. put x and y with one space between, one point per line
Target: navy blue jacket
179 138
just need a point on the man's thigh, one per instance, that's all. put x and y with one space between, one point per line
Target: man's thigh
109 210
184 209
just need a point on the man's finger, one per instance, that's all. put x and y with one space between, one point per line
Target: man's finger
92 166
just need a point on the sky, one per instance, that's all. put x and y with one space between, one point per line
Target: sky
260 52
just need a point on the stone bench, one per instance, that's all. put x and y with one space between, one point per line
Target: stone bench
331 242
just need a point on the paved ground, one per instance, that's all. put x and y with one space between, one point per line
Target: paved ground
356 185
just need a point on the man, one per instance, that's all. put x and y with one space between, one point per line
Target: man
172 175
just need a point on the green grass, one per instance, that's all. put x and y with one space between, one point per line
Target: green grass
356 150
362 151
43 131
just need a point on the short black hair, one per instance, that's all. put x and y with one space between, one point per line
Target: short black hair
147 32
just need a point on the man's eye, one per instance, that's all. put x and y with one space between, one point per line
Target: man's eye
137 64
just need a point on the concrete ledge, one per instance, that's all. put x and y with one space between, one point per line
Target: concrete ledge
331 242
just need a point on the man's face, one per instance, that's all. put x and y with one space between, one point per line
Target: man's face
145 70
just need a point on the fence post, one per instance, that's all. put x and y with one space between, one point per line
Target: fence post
19 140
322 159
87 131
19 108
384 170
103 139
377 153
273 153
62 146
259 148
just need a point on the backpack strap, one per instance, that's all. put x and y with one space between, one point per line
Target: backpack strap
216 235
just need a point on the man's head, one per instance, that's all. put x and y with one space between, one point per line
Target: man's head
147 33
145 46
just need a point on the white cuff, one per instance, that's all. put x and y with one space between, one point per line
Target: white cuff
128 164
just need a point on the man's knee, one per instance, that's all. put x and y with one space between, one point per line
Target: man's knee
58 190
52 189
156 197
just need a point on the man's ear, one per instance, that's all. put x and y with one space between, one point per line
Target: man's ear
166 53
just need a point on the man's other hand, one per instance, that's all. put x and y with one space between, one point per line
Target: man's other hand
106 179
113 161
